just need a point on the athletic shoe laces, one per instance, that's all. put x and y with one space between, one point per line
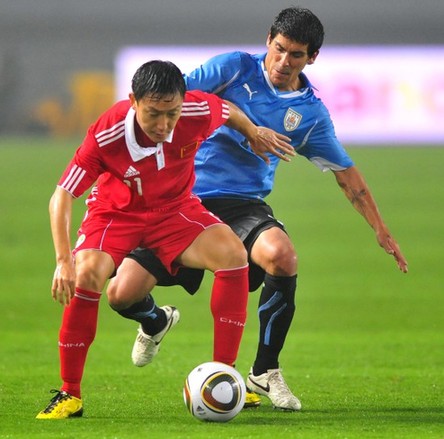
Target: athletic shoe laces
60 396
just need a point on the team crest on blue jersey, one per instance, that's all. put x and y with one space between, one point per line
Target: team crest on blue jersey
292 120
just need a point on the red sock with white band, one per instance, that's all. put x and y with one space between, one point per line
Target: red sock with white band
229 300
77 332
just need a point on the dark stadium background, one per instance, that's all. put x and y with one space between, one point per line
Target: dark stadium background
43 42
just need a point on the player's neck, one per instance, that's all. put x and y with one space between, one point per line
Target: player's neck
142 139
297 84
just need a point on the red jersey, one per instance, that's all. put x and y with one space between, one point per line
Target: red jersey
132 177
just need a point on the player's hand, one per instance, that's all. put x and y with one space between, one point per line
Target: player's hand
63 283
267 140
392 248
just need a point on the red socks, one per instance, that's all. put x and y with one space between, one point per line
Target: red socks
229 300
228 305
77 332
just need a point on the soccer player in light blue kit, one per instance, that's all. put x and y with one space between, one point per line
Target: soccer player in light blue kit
233 182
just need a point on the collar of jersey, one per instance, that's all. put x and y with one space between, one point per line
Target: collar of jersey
136 151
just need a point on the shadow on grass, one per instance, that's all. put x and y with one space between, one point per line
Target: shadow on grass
414 415
264 415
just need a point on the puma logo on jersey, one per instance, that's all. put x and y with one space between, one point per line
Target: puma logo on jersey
250 93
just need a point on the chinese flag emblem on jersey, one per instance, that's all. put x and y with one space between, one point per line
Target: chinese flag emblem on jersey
188 149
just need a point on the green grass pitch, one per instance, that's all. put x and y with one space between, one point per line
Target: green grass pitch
365 353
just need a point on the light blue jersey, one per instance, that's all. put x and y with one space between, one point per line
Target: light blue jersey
225 164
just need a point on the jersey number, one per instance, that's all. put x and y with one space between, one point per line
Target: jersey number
138 182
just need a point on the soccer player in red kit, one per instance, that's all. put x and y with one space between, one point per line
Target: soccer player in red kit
140 156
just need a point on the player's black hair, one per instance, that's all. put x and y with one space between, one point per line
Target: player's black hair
158 79
301 25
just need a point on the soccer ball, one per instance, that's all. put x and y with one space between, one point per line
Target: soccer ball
214 392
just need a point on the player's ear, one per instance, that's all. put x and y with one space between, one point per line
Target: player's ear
312 59
132 99
268 40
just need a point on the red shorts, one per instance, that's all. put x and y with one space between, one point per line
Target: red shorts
167 232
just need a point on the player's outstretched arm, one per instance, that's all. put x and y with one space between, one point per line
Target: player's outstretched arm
262 139
358 193
60 212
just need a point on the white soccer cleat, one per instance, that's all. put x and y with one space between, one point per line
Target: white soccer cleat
272 385
147 346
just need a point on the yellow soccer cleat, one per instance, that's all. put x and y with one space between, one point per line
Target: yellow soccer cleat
252 400
62 406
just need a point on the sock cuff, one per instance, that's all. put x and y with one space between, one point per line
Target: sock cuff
87 295
232 272
281 282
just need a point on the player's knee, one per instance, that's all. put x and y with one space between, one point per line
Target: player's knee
227 253
93 269
124 291
121 297
88 278
218 248
281 261
234 254
115 298
118 303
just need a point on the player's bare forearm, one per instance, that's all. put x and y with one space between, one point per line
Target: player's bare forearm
263 140
358 193
60 209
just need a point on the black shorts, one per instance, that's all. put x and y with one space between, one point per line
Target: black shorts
247 218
